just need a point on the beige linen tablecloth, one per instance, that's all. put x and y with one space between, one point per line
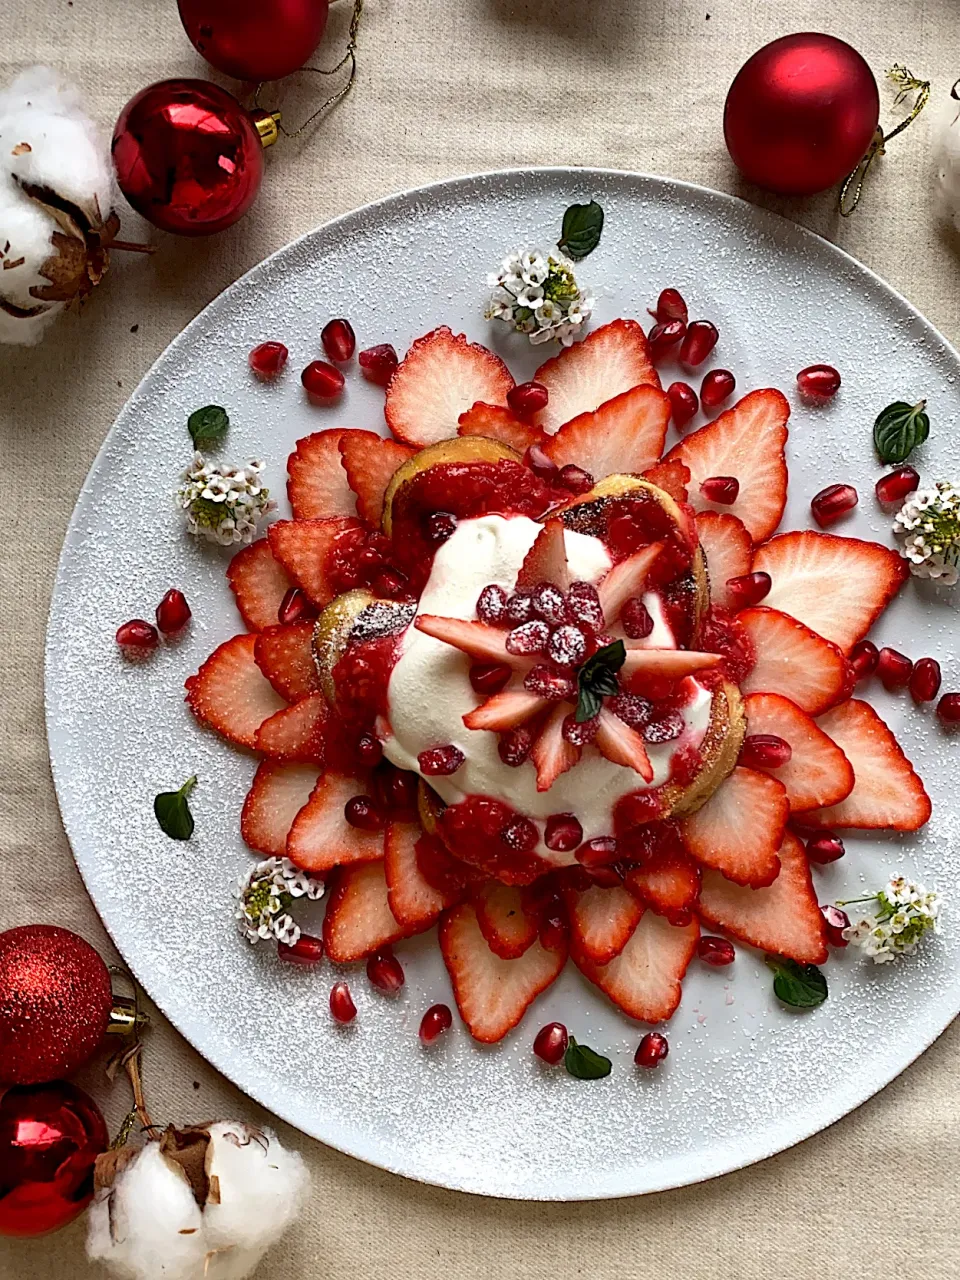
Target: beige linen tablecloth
447 87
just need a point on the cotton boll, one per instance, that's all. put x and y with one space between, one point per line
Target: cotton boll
946 149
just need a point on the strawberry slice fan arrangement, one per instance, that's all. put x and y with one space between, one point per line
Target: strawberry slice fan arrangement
532 695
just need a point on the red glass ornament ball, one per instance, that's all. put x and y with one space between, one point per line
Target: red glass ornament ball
55 1002
50 1136
188 156
255 39
801 113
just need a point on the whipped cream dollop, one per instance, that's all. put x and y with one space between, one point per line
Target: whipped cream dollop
430 692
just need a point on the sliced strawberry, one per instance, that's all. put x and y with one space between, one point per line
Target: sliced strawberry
644 979
551 753
672 663
546 561
668 881
817 773
622 745
492 994
745 442
278 794
601 921
297 732
321 838
303 548
837 587
505 710
317 483
359 920
624 435
606 363
414 901
740 828
729 552
626 579
783 918
498 423
370 462
259 583
887 793
671 477
231 694
285 656
794 661
478 639
508 928
442 376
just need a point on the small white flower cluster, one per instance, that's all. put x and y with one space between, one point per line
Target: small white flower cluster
904 914
265 895
929 524
537 294
224 504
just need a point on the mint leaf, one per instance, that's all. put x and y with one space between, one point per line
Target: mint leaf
802 986
597 679
173 812
899 428
208 426
585 1063
582 229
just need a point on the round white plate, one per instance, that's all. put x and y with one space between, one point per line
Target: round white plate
745 1077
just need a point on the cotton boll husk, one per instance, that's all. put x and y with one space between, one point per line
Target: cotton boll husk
28 228
946 150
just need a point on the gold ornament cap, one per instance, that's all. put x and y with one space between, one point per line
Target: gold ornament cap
267 124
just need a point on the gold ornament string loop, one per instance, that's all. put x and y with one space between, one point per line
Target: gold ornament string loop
349 58
908 84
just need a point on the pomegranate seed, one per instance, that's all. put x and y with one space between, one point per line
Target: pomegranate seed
519 608
598 852
717 385
894 669
553 931
701 337
539 463
892 488
438 761
378 364
578 735
836 921
339 340
824 848
369 750
583 606
549 604
863 658
635 618
390 582
664 336
671 306
307 950
529 638
341 1003
831 503
550 1043
137 634
520 834
948 709
385 971
715 951
361 812
652 1050
683 403
575 479
397 790
489 677
567 646
514 746
722 489
528 398
293 606
749 589
550 684
665 729
492 604
268 359
925 680
440 525
173 612
819 381
605 877
764 751
563 833
632 709
434 1023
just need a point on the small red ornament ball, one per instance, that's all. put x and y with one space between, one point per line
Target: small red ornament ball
50 1136
801 113
55 1002
255 39
188 156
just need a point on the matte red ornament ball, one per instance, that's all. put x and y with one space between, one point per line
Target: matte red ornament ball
50 1137
55 1002
255 39
801 113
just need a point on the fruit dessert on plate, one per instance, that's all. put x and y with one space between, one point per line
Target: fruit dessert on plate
514 672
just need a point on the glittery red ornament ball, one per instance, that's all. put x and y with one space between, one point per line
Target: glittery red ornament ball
255 39
50 1136
55 1002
